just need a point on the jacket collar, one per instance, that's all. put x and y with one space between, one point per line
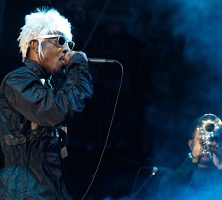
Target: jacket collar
37 69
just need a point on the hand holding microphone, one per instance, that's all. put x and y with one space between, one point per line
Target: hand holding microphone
69 54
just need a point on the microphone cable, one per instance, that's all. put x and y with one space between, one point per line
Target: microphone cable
153 173
135 180
108 133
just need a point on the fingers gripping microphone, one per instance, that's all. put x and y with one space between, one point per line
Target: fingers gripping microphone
100 60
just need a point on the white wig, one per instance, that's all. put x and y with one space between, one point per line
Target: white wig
42 22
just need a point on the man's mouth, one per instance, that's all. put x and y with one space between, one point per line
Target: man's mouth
61 59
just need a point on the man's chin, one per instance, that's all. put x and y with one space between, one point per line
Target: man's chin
56 69
59 72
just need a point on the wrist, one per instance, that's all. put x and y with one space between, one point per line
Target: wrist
192 158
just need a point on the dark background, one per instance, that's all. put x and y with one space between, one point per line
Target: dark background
171 53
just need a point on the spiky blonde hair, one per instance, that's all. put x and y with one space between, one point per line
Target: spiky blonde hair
42 22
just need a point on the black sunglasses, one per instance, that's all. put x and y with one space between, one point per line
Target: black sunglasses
61 41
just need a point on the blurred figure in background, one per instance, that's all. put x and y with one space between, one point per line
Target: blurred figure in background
200 175
36 113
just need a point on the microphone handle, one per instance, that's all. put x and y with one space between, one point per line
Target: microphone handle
100 60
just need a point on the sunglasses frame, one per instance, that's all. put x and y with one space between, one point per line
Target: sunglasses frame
57 36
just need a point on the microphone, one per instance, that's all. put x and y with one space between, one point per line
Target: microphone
100 60
154 171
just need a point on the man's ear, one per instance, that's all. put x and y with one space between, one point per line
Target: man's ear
34 45
190 144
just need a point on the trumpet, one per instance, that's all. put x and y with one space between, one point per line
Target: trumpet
207 126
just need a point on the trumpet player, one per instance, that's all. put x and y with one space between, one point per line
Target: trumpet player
200 175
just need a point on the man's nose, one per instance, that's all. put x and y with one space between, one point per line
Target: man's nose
66 47
65 51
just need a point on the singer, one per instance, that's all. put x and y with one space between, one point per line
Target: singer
36 113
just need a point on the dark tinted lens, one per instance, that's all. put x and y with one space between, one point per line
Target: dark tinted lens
61 41
71 44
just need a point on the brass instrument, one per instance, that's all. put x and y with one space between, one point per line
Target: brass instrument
208 125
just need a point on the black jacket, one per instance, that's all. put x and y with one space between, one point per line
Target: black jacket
189 182
32 157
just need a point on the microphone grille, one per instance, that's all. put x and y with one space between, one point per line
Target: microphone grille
155 169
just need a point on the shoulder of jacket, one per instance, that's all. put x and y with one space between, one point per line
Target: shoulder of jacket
20 72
